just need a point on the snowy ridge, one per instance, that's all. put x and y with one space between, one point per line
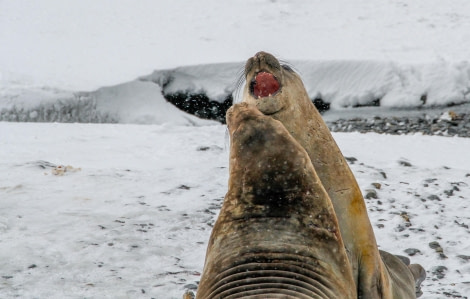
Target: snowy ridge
353 83
339 83
216 81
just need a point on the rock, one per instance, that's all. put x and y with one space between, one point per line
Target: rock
412 251
461 224
449 192
404 163
448 124
434 197
452 131
371 194
200 105
377 185
466 258
437 247
405 216
400 228
439 271
417 230
191 286
188 295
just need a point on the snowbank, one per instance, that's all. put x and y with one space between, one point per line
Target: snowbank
141 102
354 83
133 102
340 83
216 81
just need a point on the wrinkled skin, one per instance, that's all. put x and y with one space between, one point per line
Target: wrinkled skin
277 235
376 274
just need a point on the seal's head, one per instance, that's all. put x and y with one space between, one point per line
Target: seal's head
270 84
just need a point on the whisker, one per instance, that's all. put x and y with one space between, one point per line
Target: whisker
227 139
289 66
239 85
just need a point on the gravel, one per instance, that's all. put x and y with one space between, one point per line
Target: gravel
447 124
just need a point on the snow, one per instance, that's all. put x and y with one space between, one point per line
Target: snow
138 102
131 214
340 83
86 44
141 102
343 84
131 218
216 81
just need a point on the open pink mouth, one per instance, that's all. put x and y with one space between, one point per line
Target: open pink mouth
264 85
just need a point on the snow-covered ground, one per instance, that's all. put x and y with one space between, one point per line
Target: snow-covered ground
131 217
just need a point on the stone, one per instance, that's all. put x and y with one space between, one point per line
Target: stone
412 251
371 194
439 271
377 185
466 258
437 247
434 197
404 163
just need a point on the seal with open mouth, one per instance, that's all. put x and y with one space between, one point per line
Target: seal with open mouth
276 235
277 91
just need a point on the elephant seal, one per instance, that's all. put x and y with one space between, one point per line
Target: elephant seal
276 90
277 235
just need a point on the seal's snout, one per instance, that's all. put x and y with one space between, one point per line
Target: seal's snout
263 72
264 84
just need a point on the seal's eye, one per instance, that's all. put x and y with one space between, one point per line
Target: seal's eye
272 62
287 68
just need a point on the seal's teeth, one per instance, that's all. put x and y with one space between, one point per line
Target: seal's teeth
269 95
259 97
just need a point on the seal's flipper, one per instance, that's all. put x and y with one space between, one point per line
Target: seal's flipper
419 274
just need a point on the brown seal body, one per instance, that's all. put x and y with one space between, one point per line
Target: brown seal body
277 235
290 104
